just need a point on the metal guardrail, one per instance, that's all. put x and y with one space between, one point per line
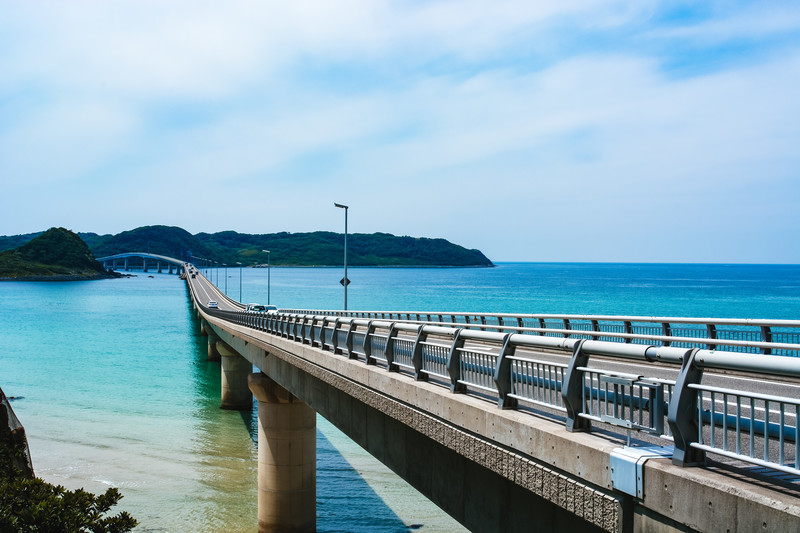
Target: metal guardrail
696 418
770 337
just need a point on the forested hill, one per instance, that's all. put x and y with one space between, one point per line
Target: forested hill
286 249
56 254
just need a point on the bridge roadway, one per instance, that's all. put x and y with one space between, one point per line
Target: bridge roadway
492 469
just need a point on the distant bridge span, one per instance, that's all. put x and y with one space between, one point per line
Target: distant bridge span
112 261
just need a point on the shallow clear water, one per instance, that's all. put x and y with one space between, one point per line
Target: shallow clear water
116 389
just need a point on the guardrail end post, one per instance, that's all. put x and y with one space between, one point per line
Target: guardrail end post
416 357
572 390
389 351
683 417
502 376
348 340
454 363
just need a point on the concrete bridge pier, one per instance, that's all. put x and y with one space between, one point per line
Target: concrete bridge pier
213 339
287 459
235 369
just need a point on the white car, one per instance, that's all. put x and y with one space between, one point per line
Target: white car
212 304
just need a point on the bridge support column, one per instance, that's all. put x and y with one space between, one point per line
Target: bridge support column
287 459
235 369
213 339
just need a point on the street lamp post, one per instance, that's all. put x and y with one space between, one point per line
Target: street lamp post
345 282
226 278
240 280
268 275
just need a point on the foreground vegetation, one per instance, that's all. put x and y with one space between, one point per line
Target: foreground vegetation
30 504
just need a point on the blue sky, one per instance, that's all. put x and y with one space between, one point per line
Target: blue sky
595 130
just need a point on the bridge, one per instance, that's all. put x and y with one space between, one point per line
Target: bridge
144 260
513 422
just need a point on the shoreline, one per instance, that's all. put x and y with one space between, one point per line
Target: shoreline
64 277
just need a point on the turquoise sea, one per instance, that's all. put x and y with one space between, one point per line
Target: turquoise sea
113 386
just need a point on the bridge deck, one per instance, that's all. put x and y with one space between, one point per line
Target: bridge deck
533 433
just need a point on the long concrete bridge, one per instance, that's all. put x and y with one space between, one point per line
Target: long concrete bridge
521 423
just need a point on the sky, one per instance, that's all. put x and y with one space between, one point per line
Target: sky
593 130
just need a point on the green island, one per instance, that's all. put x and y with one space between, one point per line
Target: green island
55 255
319 248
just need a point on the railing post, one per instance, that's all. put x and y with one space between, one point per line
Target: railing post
682 415
416 357
572 390
628 330
322 334
313 335
389 351
502 375
766 336
666 330
454 363
711 329
335 339
291 324
368 343
348 339
567 327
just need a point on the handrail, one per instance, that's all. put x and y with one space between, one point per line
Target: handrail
765 336
477 353
683 412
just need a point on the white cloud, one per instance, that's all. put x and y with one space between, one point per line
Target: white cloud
491 121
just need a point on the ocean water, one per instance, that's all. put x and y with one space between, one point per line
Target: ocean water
113 386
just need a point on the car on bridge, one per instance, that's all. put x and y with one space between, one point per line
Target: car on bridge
212 304
259 308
